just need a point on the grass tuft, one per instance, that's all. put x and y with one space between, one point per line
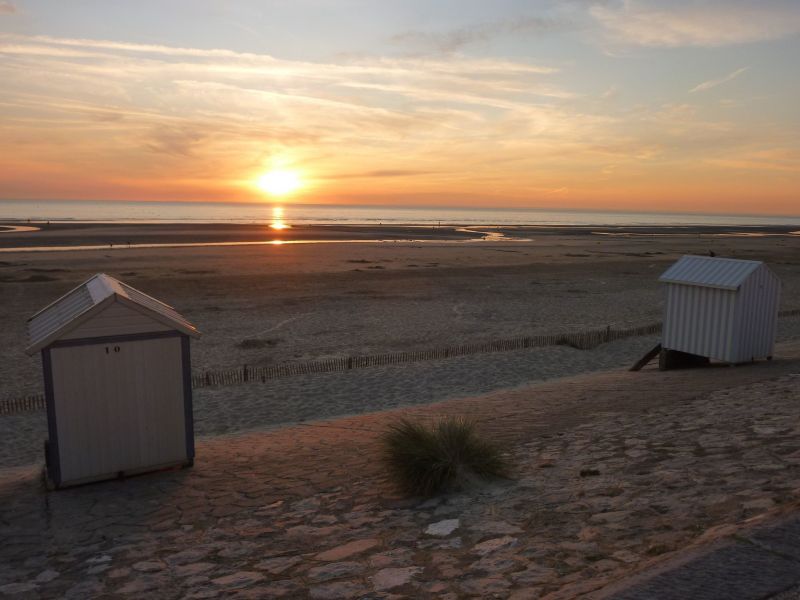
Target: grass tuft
427 460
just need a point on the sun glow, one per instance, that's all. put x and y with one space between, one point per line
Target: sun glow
279 182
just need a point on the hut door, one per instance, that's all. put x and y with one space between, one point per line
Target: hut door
119 407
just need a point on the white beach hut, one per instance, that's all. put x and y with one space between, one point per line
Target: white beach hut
721 308
117 380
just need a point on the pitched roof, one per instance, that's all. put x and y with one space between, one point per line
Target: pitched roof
707 271
94 294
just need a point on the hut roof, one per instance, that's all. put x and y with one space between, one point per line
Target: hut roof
89 298
707 271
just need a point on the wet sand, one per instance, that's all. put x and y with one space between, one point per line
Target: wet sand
124 235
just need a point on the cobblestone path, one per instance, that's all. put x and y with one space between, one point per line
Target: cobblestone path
612 470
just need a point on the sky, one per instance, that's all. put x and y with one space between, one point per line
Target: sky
646 105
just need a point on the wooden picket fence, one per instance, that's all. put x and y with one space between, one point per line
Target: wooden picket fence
582 341
247 374
24 404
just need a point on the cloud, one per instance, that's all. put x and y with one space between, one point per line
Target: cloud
216 106
381 173
456 39
712 83
610 94
396 173
175 140
7 8
759 159
138 120
692 23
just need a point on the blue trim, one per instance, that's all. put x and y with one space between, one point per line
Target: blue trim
53 456
109 339
188 412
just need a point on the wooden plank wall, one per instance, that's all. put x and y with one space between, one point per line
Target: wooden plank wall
118 410
116 319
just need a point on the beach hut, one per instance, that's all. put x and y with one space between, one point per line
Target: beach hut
720 308
117 382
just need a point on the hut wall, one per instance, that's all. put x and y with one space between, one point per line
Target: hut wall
700 320
115 319
119 406
757 316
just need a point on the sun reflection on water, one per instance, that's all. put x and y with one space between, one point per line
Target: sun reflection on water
277 219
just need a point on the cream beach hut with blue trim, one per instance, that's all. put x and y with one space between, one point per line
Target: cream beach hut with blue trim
117 378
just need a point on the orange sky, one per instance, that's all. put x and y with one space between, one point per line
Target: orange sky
609 115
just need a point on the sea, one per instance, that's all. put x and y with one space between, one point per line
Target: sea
118 211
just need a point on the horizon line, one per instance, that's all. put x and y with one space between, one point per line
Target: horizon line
427 208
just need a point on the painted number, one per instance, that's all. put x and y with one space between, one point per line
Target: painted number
109 350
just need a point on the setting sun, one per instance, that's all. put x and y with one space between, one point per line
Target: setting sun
279 183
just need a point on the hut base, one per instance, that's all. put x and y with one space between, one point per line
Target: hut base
675 359
52 485
651 354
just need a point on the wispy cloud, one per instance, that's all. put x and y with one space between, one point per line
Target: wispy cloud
712 83
7 8
381 173
691 23
454 40
134 120
610 94
176 140
188 109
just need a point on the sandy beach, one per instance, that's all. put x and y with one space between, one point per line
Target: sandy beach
275 304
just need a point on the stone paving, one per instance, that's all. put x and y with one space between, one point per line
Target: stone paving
611 471
755 563
790 594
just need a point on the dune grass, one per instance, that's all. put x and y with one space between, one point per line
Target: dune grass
428 460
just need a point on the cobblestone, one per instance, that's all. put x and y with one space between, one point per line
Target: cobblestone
261 511
742 568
